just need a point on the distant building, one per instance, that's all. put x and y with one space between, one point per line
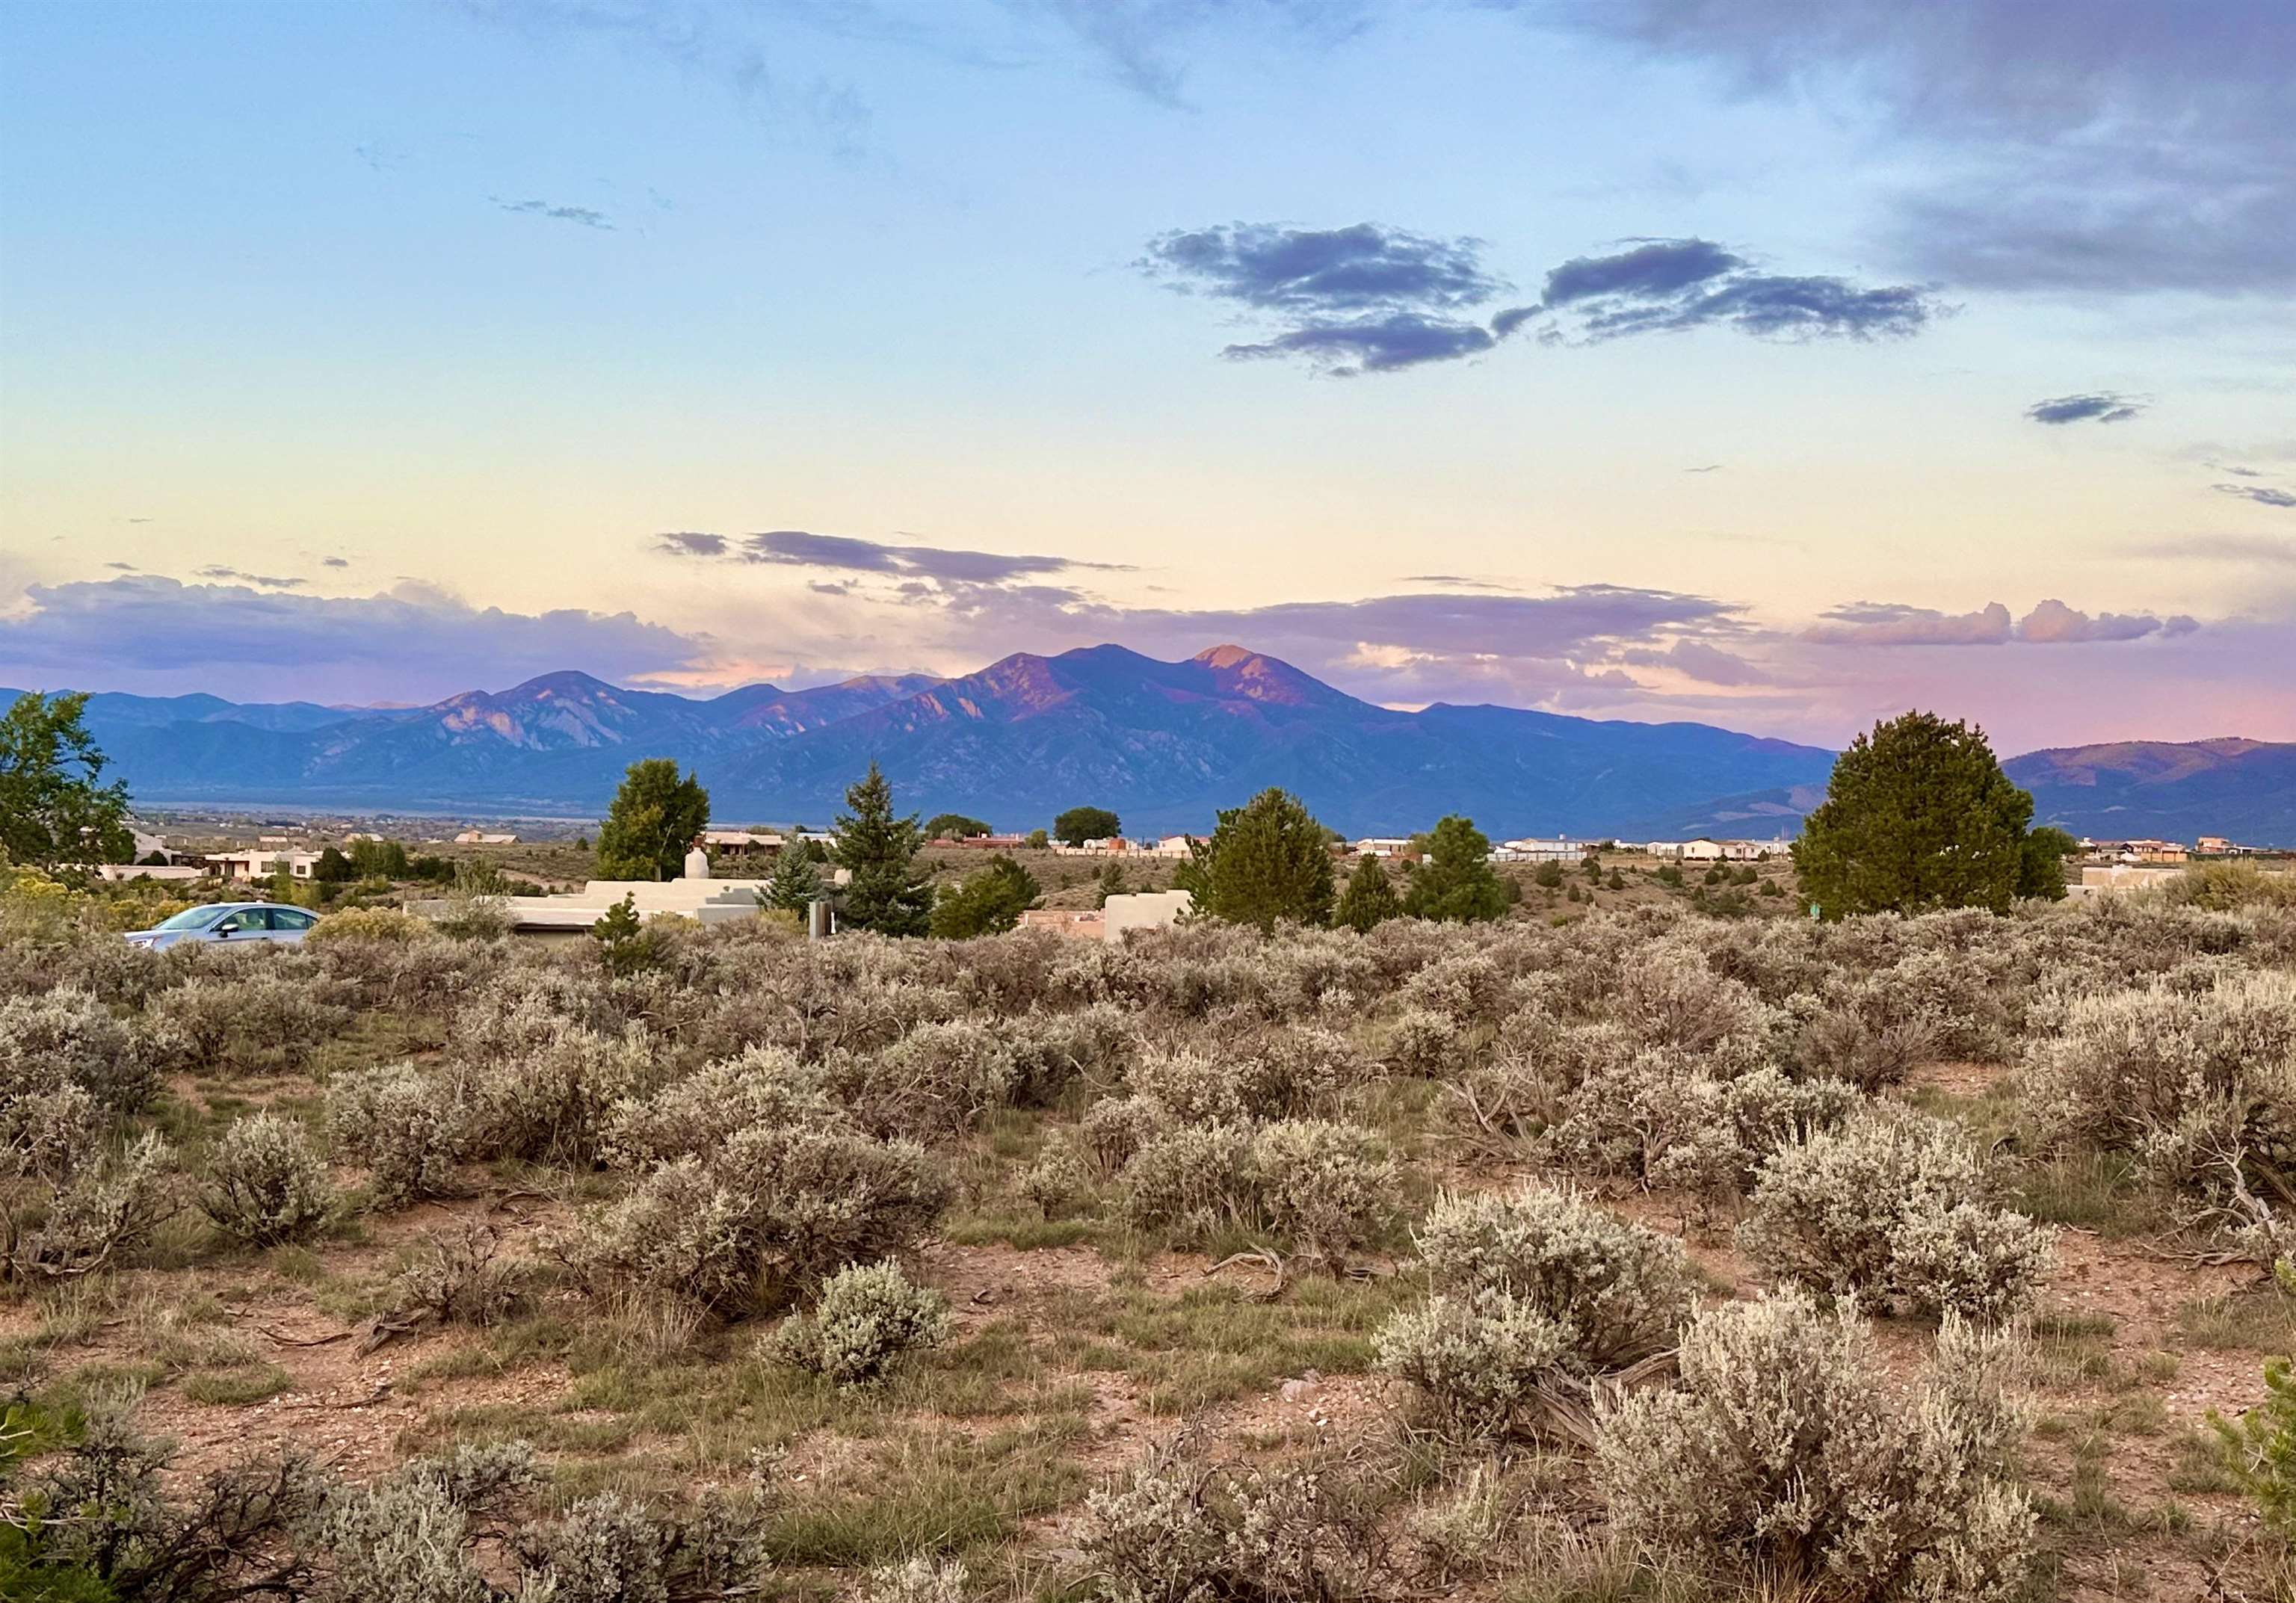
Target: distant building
1702 850
1535 849
2214 846
482 837
261 864
984 843
1142 910
741 846
1077 924
1383 845
1171 845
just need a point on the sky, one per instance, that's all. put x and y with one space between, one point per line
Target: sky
1768 364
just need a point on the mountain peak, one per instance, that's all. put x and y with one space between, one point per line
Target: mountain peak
1226 657
563 682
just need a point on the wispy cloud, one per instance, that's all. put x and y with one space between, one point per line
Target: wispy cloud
583 215
800 548
222 575
334 561
2262 494
2102 406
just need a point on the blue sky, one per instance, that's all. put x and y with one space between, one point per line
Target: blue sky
1776 365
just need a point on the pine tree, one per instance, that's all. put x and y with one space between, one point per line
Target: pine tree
884 892
1110 883
656 816
1268 861
1917 816
1369 898
793 885
1457 883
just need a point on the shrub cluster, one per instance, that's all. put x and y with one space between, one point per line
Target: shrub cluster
1785 1448
1324 1188
1181 1529
264 1184
1897 1207
867 1317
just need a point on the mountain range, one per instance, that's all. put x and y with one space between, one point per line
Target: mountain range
1166 744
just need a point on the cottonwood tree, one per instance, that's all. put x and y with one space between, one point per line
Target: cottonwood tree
954 826
1079 824
877 850
1267 861
655 817
54 807
1456 884
1369 898
1917 816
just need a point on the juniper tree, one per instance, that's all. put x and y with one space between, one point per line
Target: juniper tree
1268 861
1369 898
1457 883
655 817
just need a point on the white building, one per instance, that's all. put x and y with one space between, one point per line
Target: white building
1382 845
1702 850
480 837
261 863
1537 849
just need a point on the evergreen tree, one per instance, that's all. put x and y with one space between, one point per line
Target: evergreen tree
1112 882
1917 816
1266 861
1369 898
655 818
885 893
54 807
1079 824
988 902
333 867
1456 884
2041 865
793 885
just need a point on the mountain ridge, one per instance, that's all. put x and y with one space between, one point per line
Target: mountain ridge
1166 744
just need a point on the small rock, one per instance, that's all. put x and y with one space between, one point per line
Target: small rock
1296 1391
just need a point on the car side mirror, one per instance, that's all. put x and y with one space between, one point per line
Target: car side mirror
224 931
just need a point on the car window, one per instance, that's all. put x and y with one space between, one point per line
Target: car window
284 918
246 920
191 918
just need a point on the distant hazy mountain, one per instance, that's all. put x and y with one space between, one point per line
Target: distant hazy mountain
2245 790
1164 743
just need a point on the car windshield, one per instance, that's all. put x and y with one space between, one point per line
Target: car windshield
191 918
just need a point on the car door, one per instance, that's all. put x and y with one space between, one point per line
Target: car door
290 924
248 924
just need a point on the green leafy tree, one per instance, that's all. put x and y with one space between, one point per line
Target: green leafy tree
954 826
990 902
794 885
655 818
333 868
1079 824
1457 883
54 807
1039 840
1917 816
885 892
2041 865
1266 861
379 860
1369 898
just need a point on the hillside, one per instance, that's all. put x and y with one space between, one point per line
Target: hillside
2245 790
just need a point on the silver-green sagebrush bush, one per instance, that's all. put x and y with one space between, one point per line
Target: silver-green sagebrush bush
867 1318
1537 1297
1323 1188
1179 1528
67 1037
1899 1208
401 1125
1786 1451
264 1184
102 1218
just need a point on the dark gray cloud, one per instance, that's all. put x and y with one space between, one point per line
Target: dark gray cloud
1364 268
1365 298
1666 286
1654 269
412 642
582 215
232 576
123 567
1398 340
2049 623
334 561
800 548
2105 144
1711 467
2262 494
2102 406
